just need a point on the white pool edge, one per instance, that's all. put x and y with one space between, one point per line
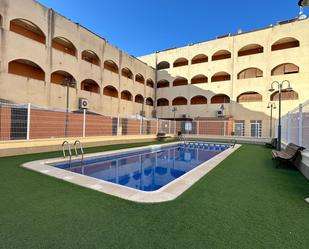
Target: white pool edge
168 192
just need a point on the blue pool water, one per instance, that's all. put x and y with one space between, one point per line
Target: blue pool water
148 169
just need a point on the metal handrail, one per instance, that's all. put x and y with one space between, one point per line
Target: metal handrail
77 142
69 149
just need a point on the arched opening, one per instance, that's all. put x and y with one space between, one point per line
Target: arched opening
199 79
150 83
180 101
250 49
163 65
110 91
126 95
59 77
249 97
286 68
127 73
285 43
180 81
248 73
285 95
139 99
162 102
198 100
220 99
149 101
163 83
90 86
200 58
27 69
27 29
220 76
91 57
180 62
64 45
221 55
140 78
111 66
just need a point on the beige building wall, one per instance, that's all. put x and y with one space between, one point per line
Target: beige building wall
20 89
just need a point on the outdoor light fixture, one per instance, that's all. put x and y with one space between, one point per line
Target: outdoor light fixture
271 105
280 89
303 2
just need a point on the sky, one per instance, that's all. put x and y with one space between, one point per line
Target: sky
141 27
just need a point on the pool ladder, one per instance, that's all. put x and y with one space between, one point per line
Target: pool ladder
76 143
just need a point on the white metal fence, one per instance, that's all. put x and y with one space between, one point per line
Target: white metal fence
295 126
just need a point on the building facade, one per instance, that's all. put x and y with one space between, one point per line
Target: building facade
41 52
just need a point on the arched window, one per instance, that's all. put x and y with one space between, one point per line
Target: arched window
90 86
64 45
249 97
163 83
110 91
285 43
149 101
200 58
150 83
27 69
91 57
126 95
180 101
163 65
198 100
285 95
220 99
221 55
248 73
59 77
199 79
180 62
180 81
139 99
111 66
127 73
286 68
140 78
220 76
250 49
162 102
28 29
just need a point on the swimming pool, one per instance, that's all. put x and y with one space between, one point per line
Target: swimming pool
149 169
146 174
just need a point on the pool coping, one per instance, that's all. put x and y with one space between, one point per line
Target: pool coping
166 193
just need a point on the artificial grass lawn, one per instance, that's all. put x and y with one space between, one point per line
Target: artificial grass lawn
245 202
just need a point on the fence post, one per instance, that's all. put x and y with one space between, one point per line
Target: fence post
288 127
197 127
300 125
118 123
84 123
28 120
140 126
169 127
224 132
175 127
157 126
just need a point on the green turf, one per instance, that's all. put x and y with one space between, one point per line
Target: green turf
243 203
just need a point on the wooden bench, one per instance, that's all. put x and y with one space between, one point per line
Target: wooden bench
272 144
161 136
288 155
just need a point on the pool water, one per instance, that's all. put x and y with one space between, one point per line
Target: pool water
148 169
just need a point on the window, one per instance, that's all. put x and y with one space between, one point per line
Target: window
163 65
163 83
180 62
110 91
91 57
162 102
250 49
111 66
180 81
220 76
64 45
199 79
256 128
239 128
221 55
90 86
27 69
286 68
249 97
180 101
200 58
285 43
250 73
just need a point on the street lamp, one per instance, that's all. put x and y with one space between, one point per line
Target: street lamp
272 106
303 2
280 89
68 82
174 110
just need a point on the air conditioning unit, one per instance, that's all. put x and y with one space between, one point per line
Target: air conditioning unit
83 103
220 113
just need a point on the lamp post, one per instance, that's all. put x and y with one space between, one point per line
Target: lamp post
272 106
68 82
280 89
174 110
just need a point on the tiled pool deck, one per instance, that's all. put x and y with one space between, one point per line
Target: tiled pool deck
167 193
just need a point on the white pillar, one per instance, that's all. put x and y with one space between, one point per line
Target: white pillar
84 123
169 127
224 127
197 127
157 125
28 120
288 128
300 125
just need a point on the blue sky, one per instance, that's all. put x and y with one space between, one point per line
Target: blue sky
141 27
